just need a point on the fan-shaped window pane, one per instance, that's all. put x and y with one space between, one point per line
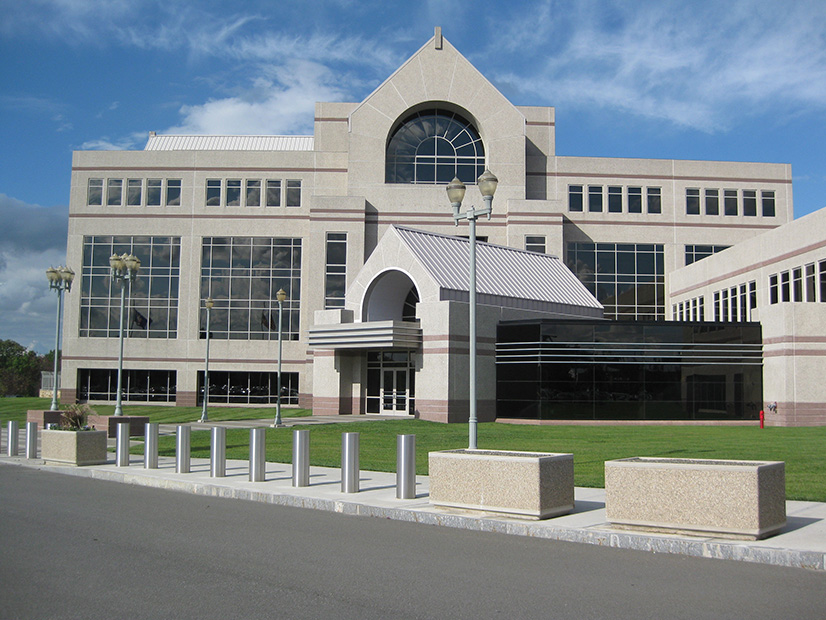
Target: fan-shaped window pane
433 146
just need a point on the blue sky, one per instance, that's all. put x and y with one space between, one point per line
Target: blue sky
734 81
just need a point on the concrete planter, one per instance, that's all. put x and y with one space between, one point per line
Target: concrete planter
530 485
742 499
73 447
137 423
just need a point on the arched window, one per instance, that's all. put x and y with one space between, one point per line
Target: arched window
433 146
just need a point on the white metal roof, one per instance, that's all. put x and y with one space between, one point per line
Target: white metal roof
501 272
228 143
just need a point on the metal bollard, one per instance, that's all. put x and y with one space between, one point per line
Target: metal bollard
218 453
150 445
14 429
258 453
31 440
301 458
405 466
122 444
183 441
349 462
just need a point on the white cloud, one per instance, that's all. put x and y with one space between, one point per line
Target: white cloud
701 65
135 140
281 103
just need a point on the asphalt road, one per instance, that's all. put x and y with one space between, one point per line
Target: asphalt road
81 548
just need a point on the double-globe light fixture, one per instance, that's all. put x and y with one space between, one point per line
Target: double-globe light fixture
124 268
487 183
60 279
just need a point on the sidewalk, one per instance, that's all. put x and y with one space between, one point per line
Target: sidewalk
802 543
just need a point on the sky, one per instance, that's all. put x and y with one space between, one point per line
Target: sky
742 80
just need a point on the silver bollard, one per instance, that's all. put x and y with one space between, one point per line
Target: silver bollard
122 445
183 442
301 458
258 453
349 462
150 445
405 466
218 453
14 429
31 440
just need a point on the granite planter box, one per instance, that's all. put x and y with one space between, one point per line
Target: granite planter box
741 499
73 447
43 417
529 485
137 423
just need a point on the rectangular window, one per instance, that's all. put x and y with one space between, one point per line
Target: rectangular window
634 200
213 192
752 295
152 310
335 277
273 193
717 306
535 244
811 283
173 193
137 385
692 202
730 201
94 193
595 198
294 193
785 286
243 276
701 316
233 193
614 199
822 269
253 193
655 200
733 309
743 303
797 284
749 202
133 192
768 203
712 202
773 291
114 192
724 315
153 192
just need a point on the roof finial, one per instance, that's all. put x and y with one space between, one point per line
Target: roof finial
437 38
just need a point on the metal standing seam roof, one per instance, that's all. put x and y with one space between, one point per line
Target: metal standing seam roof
229 143
500 271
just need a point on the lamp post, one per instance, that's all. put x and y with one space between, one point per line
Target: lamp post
204 417
281 296
60 280
456 193
124 268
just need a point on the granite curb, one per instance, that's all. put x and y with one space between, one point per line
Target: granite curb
375 502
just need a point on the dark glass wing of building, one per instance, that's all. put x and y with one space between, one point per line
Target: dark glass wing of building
645 370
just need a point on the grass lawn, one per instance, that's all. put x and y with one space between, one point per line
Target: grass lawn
801 448
15 409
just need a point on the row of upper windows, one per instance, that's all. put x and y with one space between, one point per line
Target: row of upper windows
248 193
690 310
806 283
219 192
735 303
618 201
734 203
139 192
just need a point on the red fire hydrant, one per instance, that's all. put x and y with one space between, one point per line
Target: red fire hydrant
762 418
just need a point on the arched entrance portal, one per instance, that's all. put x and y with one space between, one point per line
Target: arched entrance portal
392 296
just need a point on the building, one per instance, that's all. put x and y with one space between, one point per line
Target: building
236 218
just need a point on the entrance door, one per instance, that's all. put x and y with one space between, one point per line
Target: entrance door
394 390
389 382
